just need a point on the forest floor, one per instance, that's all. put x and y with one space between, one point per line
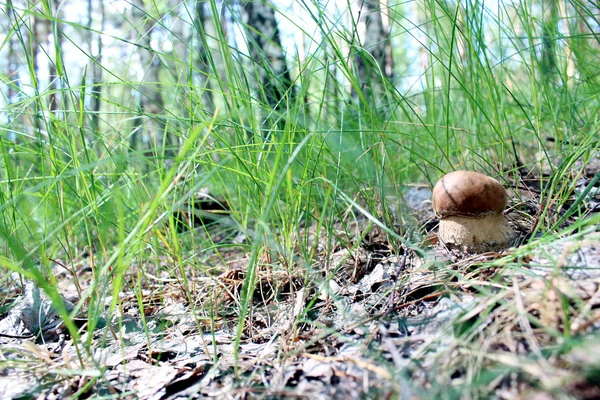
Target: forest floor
365 320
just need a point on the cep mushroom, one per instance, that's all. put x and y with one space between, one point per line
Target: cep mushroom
470 207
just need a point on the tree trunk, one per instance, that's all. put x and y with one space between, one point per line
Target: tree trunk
373 68
178 35
36 34
23 51
42 29
333 95
151 100
12 59
57 103
549 36
584 41
96 69
267 54
201 22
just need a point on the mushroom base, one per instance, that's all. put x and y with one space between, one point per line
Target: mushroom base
479 234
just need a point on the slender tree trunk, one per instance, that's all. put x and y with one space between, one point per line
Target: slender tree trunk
21 52
333 95
42 29
38 37
584 42
178 35
266 51
151 100
201 22
374 67
388 62
53 102
37 34
58 100
549 36
12 59
96 69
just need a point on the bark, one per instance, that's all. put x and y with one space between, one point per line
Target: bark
96 70
12 59
151 100
56 98
333 94
33 49
53 102
375 67
38 37
549 36
266 51
42 29
178 35
584 41
201 22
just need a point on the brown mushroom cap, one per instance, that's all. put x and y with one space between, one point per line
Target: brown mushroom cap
468 193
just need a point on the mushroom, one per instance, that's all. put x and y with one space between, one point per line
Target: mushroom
470 207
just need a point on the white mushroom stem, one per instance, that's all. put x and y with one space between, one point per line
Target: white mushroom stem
486 233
